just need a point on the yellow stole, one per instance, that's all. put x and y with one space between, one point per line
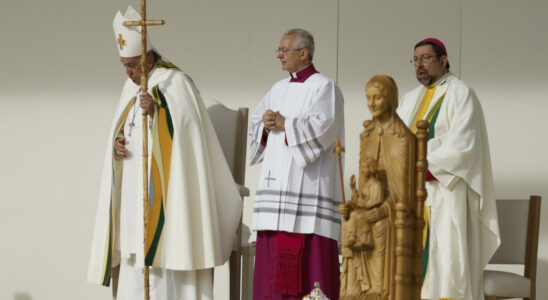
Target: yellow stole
425 103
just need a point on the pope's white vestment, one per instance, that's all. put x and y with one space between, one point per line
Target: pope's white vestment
195 205
299 187
464 231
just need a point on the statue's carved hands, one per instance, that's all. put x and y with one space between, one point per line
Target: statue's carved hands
355 193
345 209
374 214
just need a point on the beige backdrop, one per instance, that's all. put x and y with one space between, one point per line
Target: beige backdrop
60 80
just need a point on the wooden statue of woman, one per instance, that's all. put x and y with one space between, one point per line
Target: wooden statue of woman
386 192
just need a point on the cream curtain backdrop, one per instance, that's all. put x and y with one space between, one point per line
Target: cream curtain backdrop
60 79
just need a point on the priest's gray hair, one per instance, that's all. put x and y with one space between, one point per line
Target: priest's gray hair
304 40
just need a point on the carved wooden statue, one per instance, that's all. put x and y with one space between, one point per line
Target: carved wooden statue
382 224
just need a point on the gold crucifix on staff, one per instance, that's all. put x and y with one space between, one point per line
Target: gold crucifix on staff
144 89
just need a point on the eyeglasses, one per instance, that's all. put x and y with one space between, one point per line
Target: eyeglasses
285 51
424 59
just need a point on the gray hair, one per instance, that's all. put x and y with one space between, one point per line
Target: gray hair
304 40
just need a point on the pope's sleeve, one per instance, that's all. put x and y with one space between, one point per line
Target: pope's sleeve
453 154
256 128
310 134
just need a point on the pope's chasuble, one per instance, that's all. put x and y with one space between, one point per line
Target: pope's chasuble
463 218
195 205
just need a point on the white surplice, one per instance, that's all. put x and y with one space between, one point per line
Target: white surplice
464 231
298 189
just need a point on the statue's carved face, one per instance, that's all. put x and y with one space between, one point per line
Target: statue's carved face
378 103
367 169
363 198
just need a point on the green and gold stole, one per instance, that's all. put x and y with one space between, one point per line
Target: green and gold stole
418 114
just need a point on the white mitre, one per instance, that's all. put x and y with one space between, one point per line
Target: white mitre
128 38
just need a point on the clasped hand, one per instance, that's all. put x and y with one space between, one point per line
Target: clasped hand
273 120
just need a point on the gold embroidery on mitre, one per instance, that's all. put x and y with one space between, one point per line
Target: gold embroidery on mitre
121 42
